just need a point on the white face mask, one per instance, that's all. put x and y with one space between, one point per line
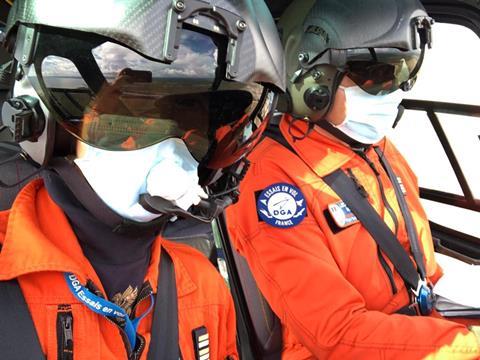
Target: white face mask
369 117
166 169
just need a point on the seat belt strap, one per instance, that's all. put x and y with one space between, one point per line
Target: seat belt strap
371 220
164 342
18 336
386 240
363 210
409 224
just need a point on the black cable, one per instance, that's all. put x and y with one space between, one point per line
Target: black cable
11 159
19 154
9 186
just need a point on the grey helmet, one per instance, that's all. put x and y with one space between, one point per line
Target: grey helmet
130 73
378 44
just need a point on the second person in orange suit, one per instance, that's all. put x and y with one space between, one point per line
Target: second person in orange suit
336 291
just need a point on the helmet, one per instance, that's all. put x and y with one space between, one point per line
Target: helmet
377 44
127 74
204 71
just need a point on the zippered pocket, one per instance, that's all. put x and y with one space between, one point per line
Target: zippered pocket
64 333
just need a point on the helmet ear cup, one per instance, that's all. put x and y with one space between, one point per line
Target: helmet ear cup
25 118
311 93
317 98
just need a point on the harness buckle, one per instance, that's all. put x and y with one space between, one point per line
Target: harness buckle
423 298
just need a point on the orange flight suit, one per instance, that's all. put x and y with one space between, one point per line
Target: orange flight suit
326 284
39 246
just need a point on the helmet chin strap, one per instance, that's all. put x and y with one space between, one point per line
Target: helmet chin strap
354 144
205 211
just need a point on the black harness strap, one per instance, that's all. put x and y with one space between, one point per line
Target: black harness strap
347 190
409 224
373 223
164 343
18 337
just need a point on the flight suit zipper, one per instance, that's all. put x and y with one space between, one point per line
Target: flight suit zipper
145 292
64 333
137 353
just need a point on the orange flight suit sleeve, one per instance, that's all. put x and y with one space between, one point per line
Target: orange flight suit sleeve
310 295
295 270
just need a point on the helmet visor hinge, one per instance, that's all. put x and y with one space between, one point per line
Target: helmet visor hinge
25 45
227 23
424 29
423 24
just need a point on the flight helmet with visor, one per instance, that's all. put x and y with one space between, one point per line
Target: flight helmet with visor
379 45
206 72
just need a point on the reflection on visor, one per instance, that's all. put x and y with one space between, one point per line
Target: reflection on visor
380 71
140 102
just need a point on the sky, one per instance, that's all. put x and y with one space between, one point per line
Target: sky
450 73
197 57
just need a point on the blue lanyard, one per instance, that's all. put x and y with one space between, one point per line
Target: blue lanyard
105 307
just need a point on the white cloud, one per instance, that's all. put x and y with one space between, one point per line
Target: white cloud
112 58
59 66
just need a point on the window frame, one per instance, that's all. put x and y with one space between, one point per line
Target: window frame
467 15
467 201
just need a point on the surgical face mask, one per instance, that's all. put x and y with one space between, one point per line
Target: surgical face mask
166 169
369 117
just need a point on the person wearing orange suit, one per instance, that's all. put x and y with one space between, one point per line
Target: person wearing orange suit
338 291
122 118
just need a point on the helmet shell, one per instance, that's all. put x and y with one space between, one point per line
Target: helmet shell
142 26
311 27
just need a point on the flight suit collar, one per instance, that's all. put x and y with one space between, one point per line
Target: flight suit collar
322 152
38 237
185 284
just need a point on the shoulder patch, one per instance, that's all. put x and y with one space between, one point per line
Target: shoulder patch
282 205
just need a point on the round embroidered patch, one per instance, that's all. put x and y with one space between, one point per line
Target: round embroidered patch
282 205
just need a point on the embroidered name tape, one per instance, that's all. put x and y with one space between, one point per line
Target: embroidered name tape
342 215
282 205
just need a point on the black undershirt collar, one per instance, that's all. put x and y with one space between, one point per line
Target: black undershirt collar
120 259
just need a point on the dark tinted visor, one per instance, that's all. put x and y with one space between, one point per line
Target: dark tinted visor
380 71
112 97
